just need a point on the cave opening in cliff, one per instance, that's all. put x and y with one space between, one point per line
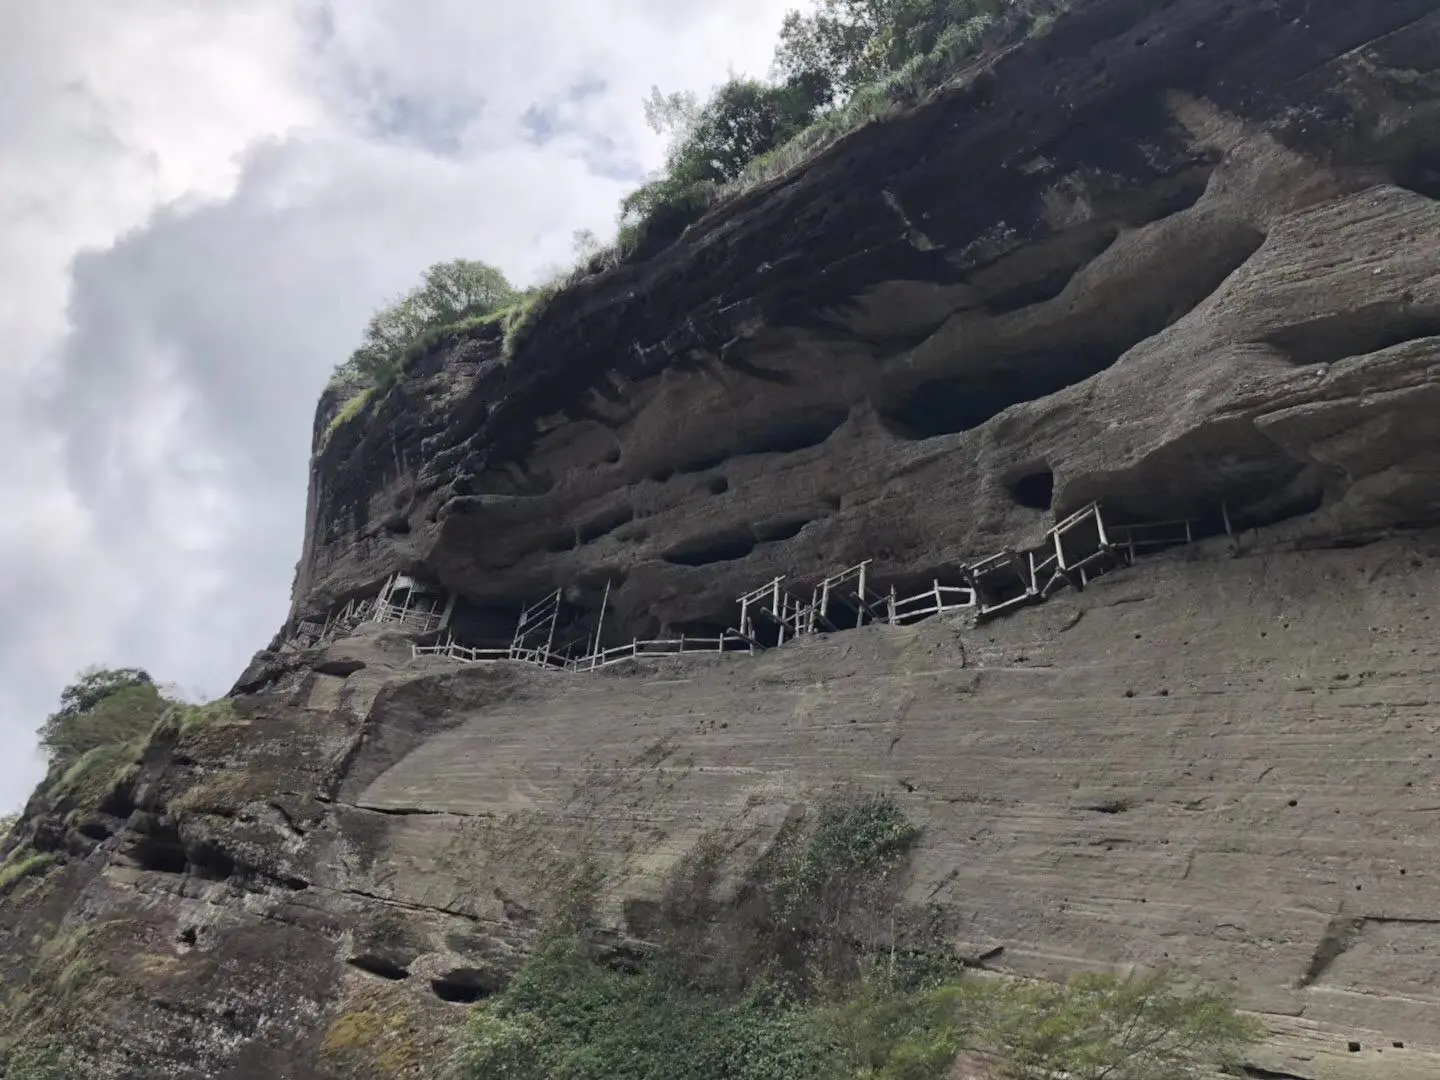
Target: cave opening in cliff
488 626
1034 490
381 967
1368 329
781 436
465 986
1421 174
725 546
948 406
161 853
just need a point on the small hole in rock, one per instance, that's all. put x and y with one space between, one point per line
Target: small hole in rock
379 966
718 485
1353 1047
465 986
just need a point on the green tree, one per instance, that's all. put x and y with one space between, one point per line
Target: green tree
1104 1027
853 43
711 144
449 293
103 705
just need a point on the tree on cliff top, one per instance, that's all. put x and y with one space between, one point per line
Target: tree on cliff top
852 43
450 293
102 706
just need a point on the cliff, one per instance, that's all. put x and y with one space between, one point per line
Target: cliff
1179 258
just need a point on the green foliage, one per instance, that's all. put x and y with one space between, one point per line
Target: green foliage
354 406
186 717
885 1031
853 847
1104 1027
854 43
24 1063
710 146
450 296
567 1016
98 772
22 863
840 66
103 707
891 1014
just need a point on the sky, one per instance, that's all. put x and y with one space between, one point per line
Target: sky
201 202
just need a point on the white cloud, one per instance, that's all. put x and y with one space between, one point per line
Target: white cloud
202 202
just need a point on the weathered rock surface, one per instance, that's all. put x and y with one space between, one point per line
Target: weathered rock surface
1222 763
1169 256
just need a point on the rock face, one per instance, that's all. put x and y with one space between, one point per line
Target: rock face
1175 257
1168 255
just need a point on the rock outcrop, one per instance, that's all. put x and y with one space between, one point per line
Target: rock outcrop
1171 256
1168 255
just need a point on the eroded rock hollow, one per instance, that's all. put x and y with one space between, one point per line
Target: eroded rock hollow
1182 259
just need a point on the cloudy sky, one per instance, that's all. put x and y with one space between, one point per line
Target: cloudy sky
201 201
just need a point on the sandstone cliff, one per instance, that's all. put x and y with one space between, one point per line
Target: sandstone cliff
1176 257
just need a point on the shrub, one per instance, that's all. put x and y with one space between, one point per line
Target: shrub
88 781
565 1015
354 406
1105 1027
450 295
886 1032
102 707
26 1063
889 1015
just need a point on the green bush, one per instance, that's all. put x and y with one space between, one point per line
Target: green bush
451 297
23 1063
890 1014
567 1016
91 778
1105 1027
103 706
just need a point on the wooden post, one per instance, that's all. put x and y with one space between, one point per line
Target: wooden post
554 618
1100 527
449 610
860 614
600 624
1225 515
891 606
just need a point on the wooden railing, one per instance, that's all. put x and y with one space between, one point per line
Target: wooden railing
936 600
1073 552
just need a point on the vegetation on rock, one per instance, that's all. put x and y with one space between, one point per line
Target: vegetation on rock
23 1063
449 294
103 707
837 67
22 863
783 982
95 740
